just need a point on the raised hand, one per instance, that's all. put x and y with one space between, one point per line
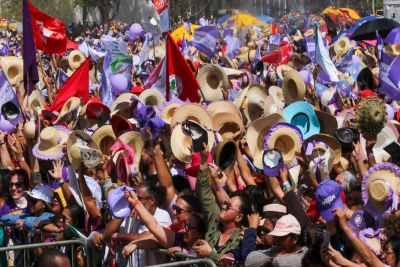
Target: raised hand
56 173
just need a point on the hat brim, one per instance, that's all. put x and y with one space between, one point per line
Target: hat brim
329 214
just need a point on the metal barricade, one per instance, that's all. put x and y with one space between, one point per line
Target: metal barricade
191 260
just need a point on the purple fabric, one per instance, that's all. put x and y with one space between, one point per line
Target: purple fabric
29 50
205 40
364 190
393 37
328 198
10 206
370 233
357 221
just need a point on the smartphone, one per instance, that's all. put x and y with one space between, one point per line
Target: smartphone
90 157
393 149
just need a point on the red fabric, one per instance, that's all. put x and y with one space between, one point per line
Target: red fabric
178 67
137 90
273 58
71 44
49 33
275 28
286 52
77 85
368 92
398 115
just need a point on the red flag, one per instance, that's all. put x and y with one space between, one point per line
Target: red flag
50 34
77 85
160 5
180 81
71 44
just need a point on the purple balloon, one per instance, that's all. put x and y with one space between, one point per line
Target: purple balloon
135 30
119 83
305 75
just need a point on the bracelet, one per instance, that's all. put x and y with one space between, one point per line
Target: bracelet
134 202
218 187
61 181
285 183
357 158
21 160
2 143
353 235
371 155
286 187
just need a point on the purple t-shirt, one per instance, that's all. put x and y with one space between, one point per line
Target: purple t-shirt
10 207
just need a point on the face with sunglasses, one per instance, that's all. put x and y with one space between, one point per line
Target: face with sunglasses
16 187
192 233
36 206
230 211
181 212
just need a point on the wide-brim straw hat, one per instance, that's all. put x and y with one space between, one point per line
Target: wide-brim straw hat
77 140
194 112
134 140
286 138
256 97
328 123
51 143
282 70
75 59
168 111
255 136
330 141
181 144
73 105
309 33
13 68
152 97
125 104
342 46
246 54
212 80
379 184
30 130
104 138
293 87
36 102
226 119
277 95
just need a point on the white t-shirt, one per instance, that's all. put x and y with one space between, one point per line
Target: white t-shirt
140 257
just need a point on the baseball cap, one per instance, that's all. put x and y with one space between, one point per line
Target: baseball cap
41 192
287 224
328 196
272 162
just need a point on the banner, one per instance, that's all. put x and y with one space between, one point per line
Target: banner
387 75
7 94
160 5
164 21
205 40
122 64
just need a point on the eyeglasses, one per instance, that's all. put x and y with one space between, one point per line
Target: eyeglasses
228 206
262 231
17 185
143 198
178 209
188 227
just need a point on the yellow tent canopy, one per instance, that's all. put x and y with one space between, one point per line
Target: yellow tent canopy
244 19
330 10
352 13
178 33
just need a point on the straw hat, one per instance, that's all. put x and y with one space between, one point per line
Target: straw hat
121 102
286 138
327 122
51 142
192 112
135 140
226 119
13 68
277 95
169 110
341 46
104 138
371 115
71 107
30 129
330 141
36 102
181 144
255 136
393 49
77 141
152 97
246 54
281 70
212 80
380 188
293 87
309 33
75 59
256 102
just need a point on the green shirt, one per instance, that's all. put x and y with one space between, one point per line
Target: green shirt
211 212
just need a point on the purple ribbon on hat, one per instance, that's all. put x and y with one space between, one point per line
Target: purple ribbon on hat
370 233
320 159
146 118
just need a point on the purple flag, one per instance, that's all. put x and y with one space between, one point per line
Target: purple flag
232 46
310 47
387 87
393 71
345 61
29 51
275 39
205 40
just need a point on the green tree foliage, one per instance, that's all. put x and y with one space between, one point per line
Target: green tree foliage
61 9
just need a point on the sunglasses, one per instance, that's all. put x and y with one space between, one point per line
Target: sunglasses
262 231
228 206
143 198
17 185
178 209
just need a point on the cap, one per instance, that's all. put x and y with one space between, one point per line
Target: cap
287 224
41 192
328 198
272 162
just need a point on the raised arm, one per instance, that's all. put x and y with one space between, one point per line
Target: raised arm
165 237
163 175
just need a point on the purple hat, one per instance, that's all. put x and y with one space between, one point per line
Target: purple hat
328 196
357 221
380 189
117 203
272 162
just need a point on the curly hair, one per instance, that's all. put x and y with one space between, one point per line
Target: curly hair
392 225
371 115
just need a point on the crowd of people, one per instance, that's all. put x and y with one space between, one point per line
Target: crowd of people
280 164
